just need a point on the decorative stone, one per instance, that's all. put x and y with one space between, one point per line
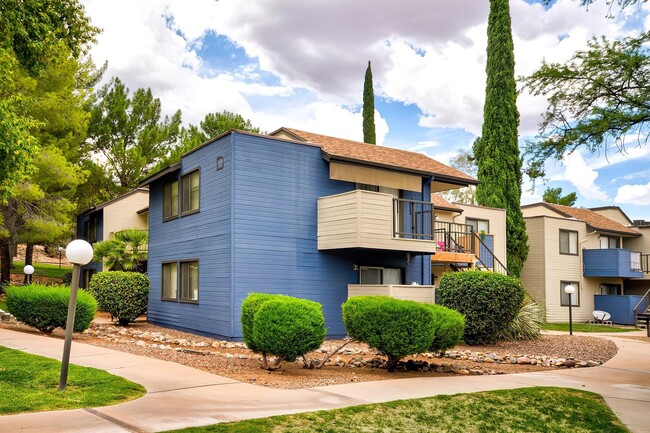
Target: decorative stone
593 363
523 360
475 372
141 343
462 371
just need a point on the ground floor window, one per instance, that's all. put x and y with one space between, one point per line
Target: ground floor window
575 297
610 289
86 276
380 275
180 281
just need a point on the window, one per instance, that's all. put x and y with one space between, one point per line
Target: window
575 297
609 242
87 275
190 281
220 163
377 275
190 184
366 187
170 200
90 229
568 242
610 289
170 281
478 226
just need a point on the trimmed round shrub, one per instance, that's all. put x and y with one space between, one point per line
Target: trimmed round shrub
489 302
249 307
46 307
395 327
448 326
122 294
288 327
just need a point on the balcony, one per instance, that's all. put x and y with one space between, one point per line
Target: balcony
372 220
413 292
612 262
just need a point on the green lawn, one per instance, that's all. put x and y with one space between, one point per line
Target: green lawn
547 410
43 269
3 305
585 327
29 383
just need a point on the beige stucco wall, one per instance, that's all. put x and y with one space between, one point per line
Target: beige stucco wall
538 209
641 244
122 214
533 273
614 214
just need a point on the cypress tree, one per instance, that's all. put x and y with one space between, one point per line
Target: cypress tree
497 151
368 109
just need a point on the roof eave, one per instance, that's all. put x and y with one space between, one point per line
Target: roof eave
157 175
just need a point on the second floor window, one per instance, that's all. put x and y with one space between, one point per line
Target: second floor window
190 184
90 230
479 226
610 242
170 200
568 242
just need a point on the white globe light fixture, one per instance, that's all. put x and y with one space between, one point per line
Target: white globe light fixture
570 290
79 253
28 270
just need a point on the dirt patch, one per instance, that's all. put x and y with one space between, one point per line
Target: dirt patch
355 363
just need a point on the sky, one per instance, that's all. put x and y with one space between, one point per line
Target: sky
301 64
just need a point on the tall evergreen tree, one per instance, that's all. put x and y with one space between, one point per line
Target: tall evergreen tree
368 109
497 152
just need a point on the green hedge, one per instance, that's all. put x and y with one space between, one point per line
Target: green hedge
395 327
489 302
249 307
448 325
122 294
288 327
46 307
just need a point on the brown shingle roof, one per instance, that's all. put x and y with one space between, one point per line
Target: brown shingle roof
440 203
338 148
592 219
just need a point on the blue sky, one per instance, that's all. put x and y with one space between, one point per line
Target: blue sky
301 64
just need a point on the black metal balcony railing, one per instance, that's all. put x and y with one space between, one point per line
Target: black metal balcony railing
412 219
645 263
453 237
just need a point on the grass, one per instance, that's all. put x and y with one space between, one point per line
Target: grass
3 305
547 410
30 383
584 327
43 269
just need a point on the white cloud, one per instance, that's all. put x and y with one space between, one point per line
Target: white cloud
634 194
583 177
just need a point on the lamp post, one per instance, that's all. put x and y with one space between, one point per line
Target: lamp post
79 253
569 290
28 270
60 254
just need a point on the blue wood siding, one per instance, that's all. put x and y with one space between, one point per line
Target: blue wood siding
613 262
486 253
619 306
205 236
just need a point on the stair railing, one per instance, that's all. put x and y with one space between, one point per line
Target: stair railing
642 305
497 266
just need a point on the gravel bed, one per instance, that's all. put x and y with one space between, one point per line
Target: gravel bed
354 363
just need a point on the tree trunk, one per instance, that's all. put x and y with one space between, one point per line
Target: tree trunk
5 263
29 255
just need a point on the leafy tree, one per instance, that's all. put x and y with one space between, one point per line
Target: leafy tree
554 195
368 109
129 134
212 125
466 163
127 251
497 151
599 96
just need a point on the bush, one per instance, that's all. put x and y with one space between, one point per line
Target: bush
66 278
249 307
395 327
46 307
448 327
122 294
525 325
288 327
489 302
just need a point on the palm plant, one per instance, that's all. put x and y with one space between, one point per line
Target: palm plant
127 251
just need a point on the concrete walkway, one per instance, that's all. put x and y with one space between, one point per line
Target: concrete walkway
180 396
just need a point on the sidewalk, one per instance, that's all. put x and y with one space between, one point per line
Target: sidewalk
180 396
